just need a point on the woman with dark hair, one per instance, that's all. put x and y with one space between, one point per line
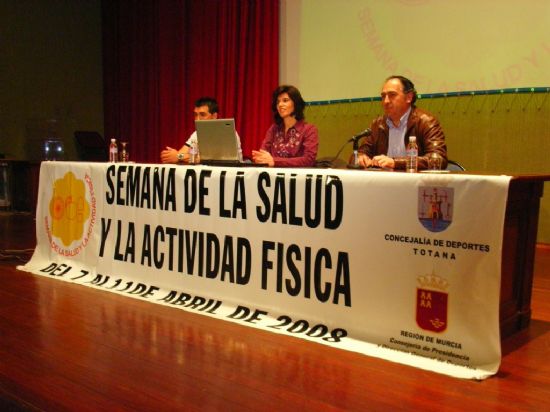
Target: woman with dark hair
290 141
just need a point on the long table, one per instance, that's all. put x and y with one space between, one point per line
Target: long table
406 267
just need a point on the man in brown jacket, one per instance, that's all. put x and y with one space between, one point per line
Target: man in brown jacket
386 145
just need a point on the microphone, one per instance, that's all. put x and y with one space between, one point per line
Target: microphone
364 133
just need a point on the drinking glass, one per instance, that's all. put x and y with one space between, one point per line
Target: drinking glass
435 161
124 154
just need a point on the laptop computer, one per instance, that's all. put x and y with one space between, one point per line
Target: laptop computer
219 144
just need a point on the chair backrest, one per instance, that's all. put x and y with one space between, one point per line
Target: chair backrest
454 166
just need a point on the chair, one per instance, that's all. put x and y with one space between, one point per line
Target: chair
454 166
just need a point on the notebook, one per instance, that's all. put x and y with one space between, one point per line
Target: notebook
219 144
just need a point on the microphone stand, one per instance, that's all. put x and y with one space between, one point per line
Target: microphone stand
328 163
355 164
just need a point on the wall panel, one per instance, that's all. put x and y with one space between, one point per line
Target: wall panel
498 133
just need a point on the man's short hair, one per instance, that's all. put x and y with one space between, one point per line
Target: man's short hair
210 102
408 86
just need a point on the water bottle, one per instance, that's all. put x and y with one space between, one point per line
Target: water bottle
113 151
193 152
412 155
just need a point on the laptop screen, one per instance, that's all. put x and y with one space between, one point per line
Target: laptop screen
218 140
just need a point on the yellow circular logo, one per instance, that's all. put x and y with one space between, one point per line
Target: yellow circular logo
69 210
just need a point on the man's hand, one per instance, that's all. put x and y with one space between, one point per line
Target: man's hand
169 155
383 161
363 160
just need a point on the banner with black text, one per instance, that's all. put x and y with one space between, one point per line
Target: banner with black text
401 266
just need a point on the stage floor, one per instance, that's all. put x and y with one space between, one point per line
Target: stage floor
68 347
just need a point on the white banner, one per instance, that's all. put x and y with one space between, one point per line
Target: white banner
405 267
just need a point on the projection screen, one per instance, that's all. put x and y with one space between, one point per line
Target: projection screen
346 48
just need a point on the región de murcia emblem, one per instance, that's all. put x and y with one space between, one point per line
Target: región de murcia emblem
432 303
